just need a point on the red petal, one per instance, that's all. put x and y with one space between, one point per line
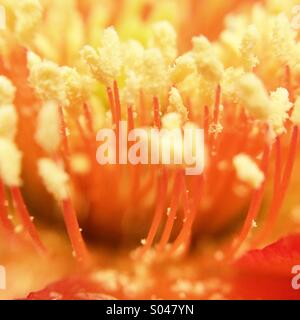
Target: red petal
267 273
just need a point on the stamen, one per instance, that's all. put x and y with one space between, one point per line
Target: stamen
118 115
135 169
189 218
117 103
290 161
56 182
111 103
160 204
88 142
217 104
190 110
130 118
206 120
254 207
157 120
63 130
26 219
89 119
74 232
281 189
5 222
142 108
278 166
177 189
142 193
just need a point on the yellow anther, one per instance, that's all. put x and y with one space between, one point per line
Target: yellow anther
280 105
248 171
176 104
183 67
165 39
254 96
76 87
48 128
54 178
172 120
131 91
105 63
208 64
7 91
248 46
155 76
10 163
46 78
8 122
